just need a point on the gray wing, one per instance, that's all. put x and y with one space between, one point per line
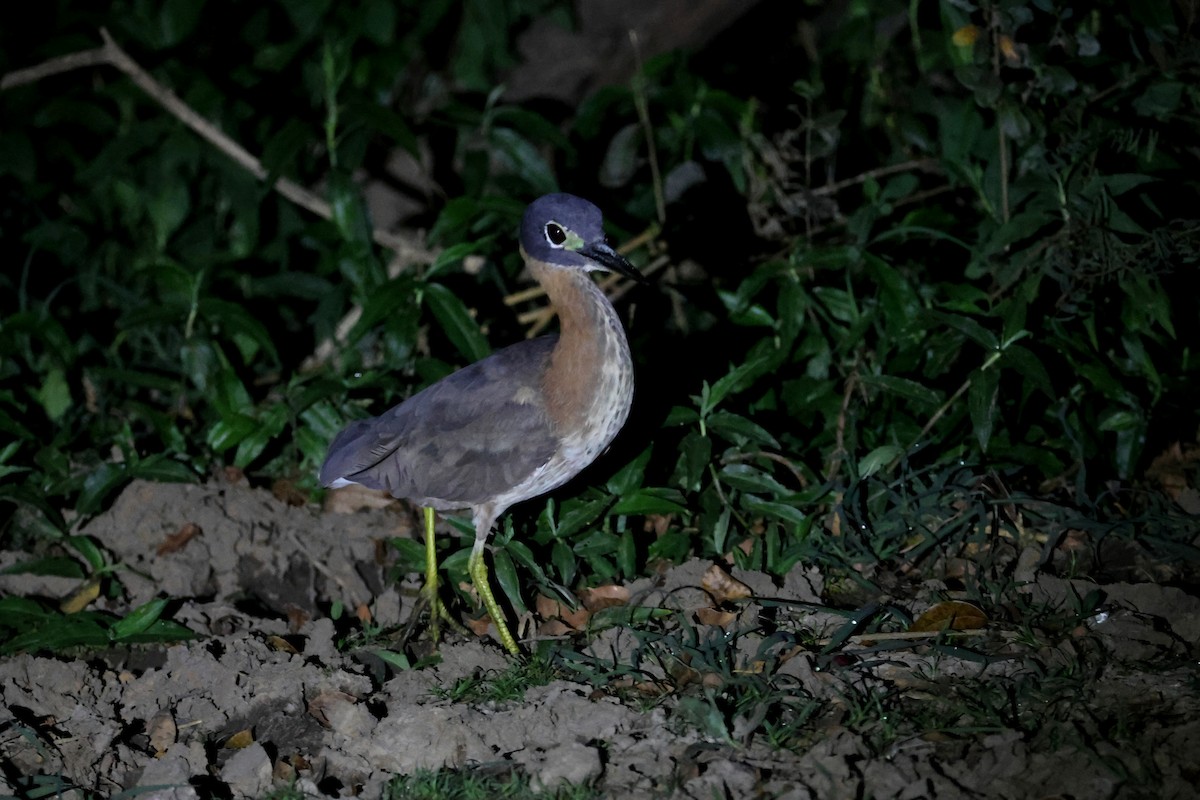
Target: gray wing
465 439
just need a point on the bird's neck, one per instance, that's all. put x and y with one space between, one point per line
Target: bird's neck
591 361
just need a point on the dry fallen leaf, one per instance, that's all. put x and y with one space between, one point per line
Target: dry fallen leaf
479 625
240 740
551 609
178 540
162 731
1171 469
658 524
714 616
297 618
722 586
554 628
278 643
952 615
323 705
285 491
602 597
283 772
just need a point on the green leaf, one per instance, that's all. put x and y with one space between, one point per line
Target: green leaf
738 379
21 612
230 431
903 387
58 566
177 19
397 661
750 478
680 415
86 629
522 555
1120 420
970 328
99 483
410 555
720 531
454 254
673 546
650 501
506 576
563 559
631 476
838 302
1030 367
897 296
385 121
524 159
456 321
580 516
877 459
694 454
249 334
627 555
270 425
740 430
138 620
55 395
783 512
981 401
161 467
168 206
161 630
90 551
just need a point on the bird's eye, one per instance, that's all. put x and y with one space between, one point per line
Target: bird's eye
555 234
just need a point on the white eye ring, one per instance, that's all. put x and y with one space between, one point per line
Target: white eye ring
555 234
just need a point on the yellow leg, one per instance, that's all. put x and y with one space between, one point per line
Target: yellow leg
477 567
437 609
430 589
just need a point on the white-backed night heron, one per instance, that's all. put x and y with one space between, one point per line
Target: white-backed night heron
522 421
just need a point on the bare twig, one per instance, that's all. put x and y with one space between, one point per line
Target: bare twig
55 66
643 112
1001 139
862 638
407 250
839 450
878 172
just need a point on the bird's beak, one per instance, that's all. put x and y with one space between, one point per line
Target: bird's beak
612 261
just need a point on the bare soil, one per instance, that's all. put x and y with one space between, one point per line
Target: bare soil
267 695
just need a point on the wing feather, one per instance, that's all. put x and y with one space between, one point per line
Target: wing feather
467 438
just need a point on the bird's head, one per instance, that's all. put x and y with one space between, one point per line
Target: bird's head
563 230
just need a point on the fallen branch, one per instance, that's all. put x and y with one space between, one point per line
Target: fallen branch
407 250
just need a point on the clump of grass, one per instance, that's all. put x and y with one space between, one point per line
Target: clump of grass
505 686
478 785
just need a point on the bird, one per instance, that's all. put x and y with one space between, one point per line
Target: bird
518 423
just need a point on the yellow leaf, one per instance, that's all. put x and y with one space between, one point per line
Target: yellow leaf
79 599
1008 49
965 36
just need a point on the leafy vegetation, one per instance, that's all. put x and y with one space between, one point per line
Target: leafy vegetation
927 299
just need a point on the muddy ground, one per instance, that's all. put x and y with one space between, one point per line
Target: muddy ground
272 694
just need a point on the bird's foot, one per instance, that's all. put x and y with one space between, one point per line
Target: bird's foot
479 576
